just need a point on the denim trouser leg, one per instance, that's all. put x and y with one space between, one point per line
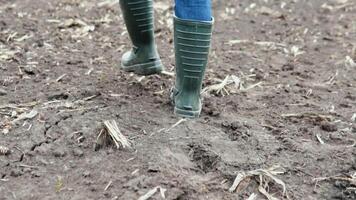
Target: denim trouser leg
199 10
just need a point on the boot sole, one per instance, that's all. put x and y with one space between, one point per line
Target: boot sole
149 68
182 112
186 113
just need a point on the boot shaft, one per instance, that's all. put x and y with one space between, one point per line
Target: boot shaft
192 41
192 45
139 20
143 59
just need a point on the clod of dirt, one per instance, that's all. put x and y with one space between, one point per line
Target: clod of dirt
350 97
86 174
58 96
204 158
74 62
353 129
176 193
329 127
288 67
347 192
235 130
290 143
30 70
336 136
3 92
16 173
78 152
88 182
153 168
236 125
59 153
211 109
42 148
35 174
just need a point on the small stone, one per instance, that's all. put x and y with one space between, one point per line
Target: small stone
225 124
88 182
58 96
59 153
335 136
35 174
86 174
3 92
341 184
5 131
29 70
215 113
329 127
288 67
27 170
353 129
16 173
236 125
43 149
78 152
153 168
107 194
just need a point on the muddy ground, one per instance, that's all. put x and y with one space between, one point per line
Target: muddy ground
294 107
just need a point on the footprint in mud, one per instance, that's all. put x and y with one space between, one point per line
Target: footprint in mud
205 159
236 130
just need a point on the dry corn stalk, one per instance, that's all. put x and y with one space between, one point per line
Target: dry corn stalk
81 28
264 175
308 115
353 118
349 62
258 43
219 88
30 115
351 179
108 3
152 192
231 84
6 54
112 131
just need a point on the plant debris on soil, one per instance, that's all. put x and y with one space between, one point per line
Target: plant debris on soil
280 90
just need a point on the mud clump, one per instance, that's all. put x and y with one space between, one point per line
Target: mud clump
205 159
328 127
211 108
346 193
236 130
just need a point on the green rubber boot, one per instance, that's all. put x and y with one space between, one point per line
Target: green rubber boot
143 59
192 44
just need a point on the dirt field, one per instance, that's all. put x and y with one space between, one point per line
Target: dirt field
294 107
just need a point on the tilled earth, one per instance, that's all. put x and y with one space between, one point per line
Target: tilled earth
295 105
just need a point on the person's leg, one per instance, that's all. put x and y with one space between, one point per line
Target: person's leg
192 35
143 58
199 10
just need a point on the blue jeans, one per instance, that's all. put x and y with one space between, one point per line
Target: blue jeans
197 10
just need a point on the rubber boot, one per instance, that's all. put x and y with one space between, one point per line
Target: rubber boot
192 44
143 59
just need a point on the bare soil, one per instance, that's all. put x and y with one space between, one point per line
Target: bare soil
60 58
